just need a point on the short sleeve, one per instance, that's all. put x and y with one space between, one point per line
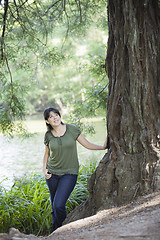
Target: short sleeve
75 131
46 141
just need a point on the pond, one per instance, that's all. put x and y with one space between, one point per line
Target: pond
23 156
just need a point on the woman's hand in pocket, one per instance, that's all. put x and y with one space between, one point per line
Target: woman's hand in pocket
47 174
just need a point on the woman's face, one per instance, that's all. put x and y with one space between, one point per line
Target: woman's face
54 119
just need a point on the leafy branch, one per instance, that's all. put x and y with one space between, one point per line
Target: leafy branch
4 28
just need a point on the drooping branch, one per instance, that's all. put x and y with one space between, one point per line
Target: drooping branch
9 70
4 28
68 23
40 17
51 6
20 6
18 19
80 10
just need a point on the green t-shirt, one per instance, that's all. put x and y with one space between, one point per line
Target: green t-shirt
63 157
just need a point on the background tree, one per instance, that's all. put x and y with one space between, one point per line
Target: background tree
131 166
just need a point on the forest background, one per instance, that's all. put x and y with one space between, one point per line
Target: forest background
52 54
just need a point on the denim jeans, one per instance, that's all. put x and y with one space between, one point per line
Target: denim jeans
60 188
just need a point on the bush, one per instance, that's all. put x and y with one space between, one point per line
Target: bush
26 206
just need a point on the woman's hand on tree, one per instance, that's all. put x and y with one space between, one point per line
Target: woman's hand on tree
105 143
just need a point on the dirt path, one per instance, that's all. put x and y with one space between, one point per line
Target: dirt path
138 220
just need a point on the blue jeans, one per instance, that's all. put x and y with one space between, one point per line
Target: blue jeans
60 188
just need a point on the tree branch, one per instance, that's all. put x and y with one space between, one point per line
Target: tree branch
24 27
10 74
68 24
19 6
51 6
80 10
39 15
4 28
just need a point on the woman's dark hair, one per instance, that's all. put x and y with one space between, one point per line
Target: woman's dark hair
46 115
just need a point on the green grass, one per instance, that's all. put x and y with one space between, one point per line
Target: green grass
26 206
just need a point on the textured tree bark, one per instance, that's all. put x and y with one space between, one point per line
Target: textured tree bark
131 166
133 118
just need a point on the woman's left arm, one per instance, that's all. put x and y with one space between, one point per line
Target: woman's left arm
85 143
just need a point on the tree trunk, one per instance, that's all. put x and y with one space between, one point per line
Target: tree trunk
131 166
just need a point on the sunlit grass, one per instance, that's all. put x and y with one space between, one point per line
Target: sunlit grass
26 206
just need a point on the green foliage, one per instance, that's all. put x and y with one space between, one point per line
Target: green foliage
41 44
12 108
26 206
92 99
95 95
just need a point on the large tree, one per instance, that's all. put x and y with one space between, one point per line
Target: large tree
131 166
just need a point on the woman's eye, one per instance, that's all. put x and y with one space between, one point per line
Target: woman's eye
56 115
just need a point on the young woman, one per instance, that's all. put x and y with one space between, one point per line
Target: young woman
60 162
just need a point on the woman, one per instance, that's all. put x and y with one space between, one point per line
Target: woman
60 162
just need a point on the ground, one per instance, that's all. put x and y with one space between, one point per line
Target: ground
135 221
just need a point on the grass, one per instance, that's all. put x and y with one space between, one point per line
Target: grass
26 206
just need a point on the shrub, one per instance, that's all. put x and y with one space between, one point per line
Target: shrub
26 206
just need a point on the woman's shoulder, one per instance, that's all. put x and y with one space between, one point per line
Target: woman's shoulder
74 130
71 126
48 134
47 138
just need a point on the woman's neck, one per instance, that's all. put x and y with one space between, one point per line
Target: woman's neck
59 130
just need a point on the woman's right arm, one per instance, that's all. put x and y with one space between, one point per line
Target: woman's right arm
45 159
